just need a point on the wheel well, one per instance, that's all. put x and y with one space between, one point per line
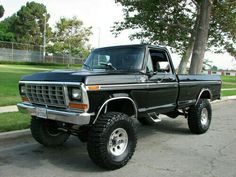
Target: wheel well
121 105
206 94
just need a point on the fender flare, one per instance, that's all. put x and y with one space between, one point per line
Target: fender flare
201 92
117 98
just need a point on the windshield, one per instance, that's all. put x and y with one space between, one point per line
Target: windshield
117 58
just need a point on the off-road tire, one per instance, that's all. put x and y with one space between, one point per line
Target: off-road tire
196 122
45 132
99 136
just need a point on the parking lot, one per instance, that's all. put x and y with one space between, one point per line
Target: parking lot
167 149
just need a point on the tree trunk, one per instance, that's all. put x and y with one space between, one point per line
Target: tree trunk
201 37
189 50
184 60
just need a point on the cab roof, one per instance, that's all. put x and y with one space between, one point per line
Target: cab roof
135 45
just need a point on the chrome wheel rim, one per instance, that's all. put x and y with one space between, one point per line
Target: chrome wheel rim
204 117
118 142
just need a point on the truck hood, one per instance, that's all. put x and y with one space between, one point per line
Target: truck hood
84 76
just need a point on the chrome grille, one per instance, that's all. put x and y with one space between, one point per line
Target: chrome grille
51 95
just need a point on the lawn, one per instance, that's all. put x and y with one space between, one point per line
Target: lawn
226 86
229 82
14 121
228 92
231 79
10 76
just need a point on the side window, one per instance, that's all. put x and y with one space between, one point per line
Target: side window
160 61
103 59
99 60
149 64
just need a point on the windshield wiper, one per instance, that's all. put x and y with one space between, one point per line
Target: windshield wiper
84 64
109 65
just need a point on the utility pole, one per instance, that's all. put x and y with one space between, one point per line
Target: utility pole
44 36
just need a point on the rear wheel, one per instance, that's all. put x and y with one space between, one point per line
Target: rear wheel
46 132
199 117
112 140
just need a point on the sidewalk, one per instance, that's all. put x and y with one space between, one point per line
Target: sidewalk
225 98
12 108
229 89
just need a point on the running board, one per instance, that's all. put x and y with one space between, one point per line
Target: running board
154 117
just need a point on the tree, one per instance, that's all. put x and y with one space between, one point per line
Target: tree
5 29
70 37
204 8
159 22
29 21
1 11
206 64
214 68
181 24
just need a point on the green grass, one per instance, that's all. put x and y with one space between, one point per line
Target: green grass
228 92
225 86
228 82
10 76
14 121
39 64
231 79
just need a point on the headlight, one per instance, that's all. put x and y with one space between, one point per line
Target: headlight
76 94
22 89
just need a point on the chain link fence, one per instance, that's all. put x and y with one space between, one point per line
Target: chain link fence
18 52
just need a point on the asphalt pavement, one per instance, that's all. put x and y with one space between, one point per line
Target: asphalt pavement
167 149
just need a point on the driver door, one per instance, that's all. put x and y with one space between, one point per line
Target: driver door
163 84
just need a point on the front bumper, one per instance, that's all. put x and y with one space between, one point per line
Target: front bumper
58 115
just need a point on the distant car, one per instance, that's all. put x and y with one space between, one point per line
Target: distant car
116 85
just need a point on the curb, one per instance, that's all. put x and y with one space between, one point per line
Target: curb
14 134
26 132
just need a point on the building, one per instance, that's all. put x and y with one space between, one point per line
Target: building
223 72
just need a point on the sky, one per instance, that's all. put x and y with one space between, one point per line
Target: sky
101 15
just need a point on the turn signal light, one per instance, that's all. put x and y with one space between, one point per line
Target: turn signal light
93 87
25 99
78 106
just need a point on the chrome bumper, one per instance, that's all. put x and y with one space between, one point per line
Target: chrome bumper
58 115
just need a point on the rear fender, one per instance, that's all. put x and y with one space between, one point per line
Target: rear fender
204 93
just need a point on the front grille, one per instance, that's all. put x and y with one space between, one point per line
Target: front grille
51 95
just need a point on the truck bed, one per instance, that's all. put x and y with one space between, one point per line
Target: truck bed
190 87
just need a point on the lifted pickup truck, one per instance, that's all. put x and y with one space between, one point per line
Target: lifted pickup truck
116 85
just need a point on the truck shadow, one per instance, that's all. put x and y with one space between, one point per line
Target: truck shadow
166 126
34 158
73 156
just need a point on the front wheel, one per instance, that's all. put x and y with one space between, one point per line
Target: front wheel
112 140
199 117
46 132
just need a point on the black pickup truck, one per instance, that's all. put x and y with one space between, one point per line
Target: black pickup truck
115 86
